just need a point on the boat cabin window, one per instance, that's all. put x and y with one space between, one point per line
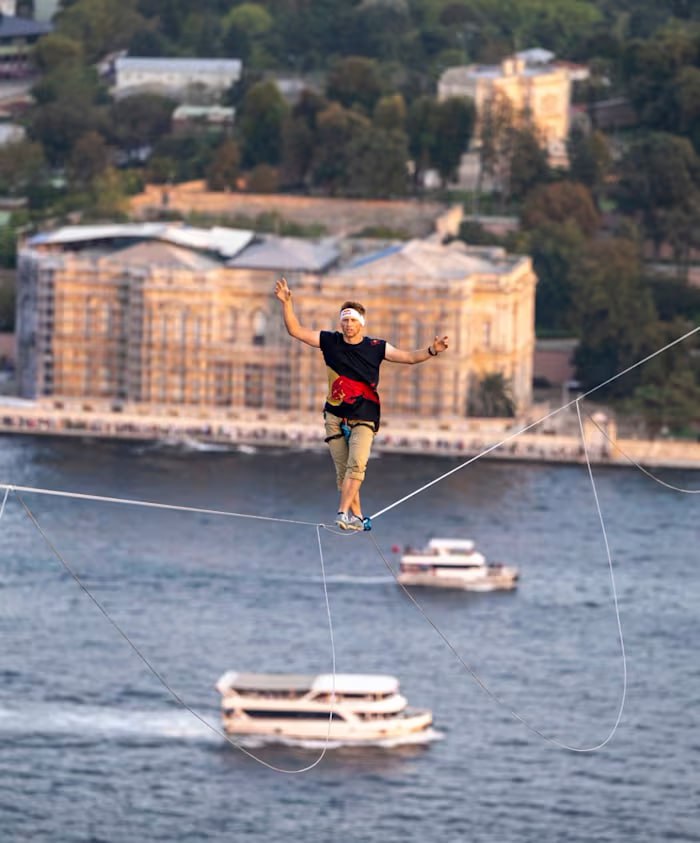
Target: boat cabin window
340 697
290 715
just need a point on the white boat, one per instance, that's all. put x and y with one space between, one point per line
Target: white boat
454 563
365 708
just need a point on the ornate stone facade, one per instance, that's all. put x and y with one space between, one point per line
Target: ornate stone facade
141 320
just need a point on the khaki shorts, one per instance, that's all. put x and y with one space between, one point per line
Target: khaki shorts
350 459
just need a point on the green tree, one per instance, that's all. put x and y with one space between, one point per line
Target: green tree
224 169
557 25
22 165
376 163
263 179
390 113
58 125
653 69
617 322
7 286
378 27
493 397
245 30
299 138
88 160
687 98
337 127
68 83
454 126
182 157
497 120
260 124
554 248
251 18
422 125
54 51
590 160
298 143
671 402
355 80
108 199
528 164
101 26
140 120
658 174
559 202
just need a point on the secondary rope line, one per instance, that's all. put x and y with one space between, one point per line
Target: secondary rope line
155 505
318 527
530 426
163 681
231 514
480 682
640 467
612 577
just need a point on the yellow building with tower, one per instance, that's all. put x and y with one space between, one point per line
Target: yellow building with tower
541 90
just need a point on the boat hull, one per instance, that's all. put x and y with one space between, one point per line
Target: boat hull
501 581
361 731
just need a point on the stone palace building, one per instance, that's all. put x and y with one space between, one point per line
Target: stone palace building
164 316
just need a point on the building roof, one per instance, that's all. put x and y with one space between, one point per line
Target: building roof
325 683
536 55
226 242
287 254
210 113
466 74
179 65
432 261
14 27
154 253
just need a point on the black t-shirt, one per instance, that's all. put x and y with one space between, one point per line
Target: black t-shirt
353 375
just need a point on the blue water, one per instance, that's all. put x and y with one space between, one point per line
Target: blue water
93 748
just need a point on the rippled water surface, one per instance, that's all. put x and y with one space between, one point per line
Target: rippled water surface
92 747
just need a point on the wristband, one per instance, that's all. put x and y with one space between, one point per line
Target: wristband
432 352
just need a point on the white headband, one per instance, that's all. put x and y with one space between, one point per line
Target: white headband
351 313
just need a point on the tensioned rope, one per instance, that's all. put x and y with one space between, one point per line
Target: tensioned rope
232 514
318 527
531 425
159 676
641 467
480 682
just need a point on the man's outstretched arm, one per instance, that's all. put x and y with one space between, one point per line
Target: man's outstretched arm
291 322
397 355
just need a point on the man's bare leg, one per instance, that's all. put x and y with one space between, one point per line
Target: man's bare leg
350 496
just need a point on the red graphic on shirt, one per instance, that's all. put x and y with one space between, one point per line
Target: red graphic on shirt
345 390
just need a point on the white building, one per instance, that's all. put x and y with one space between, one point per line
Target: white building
197 81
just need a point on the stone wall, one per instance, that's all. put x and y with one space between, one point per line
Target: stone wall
340 217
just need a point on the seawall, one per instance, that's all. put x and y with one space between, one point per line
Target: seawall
455 439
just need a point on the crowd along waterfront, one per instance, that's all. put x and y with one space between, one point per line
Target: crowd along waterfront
526 439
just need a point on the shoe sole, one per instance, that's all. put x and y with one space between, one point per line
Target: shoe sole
349 527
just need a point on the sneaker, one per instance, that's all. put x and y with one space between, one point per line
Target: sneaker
342 520
349 522
355 522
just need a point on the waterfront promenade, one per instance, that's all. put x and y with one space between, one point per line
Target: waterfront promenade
460 438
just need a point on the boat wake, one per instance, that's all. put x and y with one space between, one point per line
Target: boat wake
103 721
351 579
